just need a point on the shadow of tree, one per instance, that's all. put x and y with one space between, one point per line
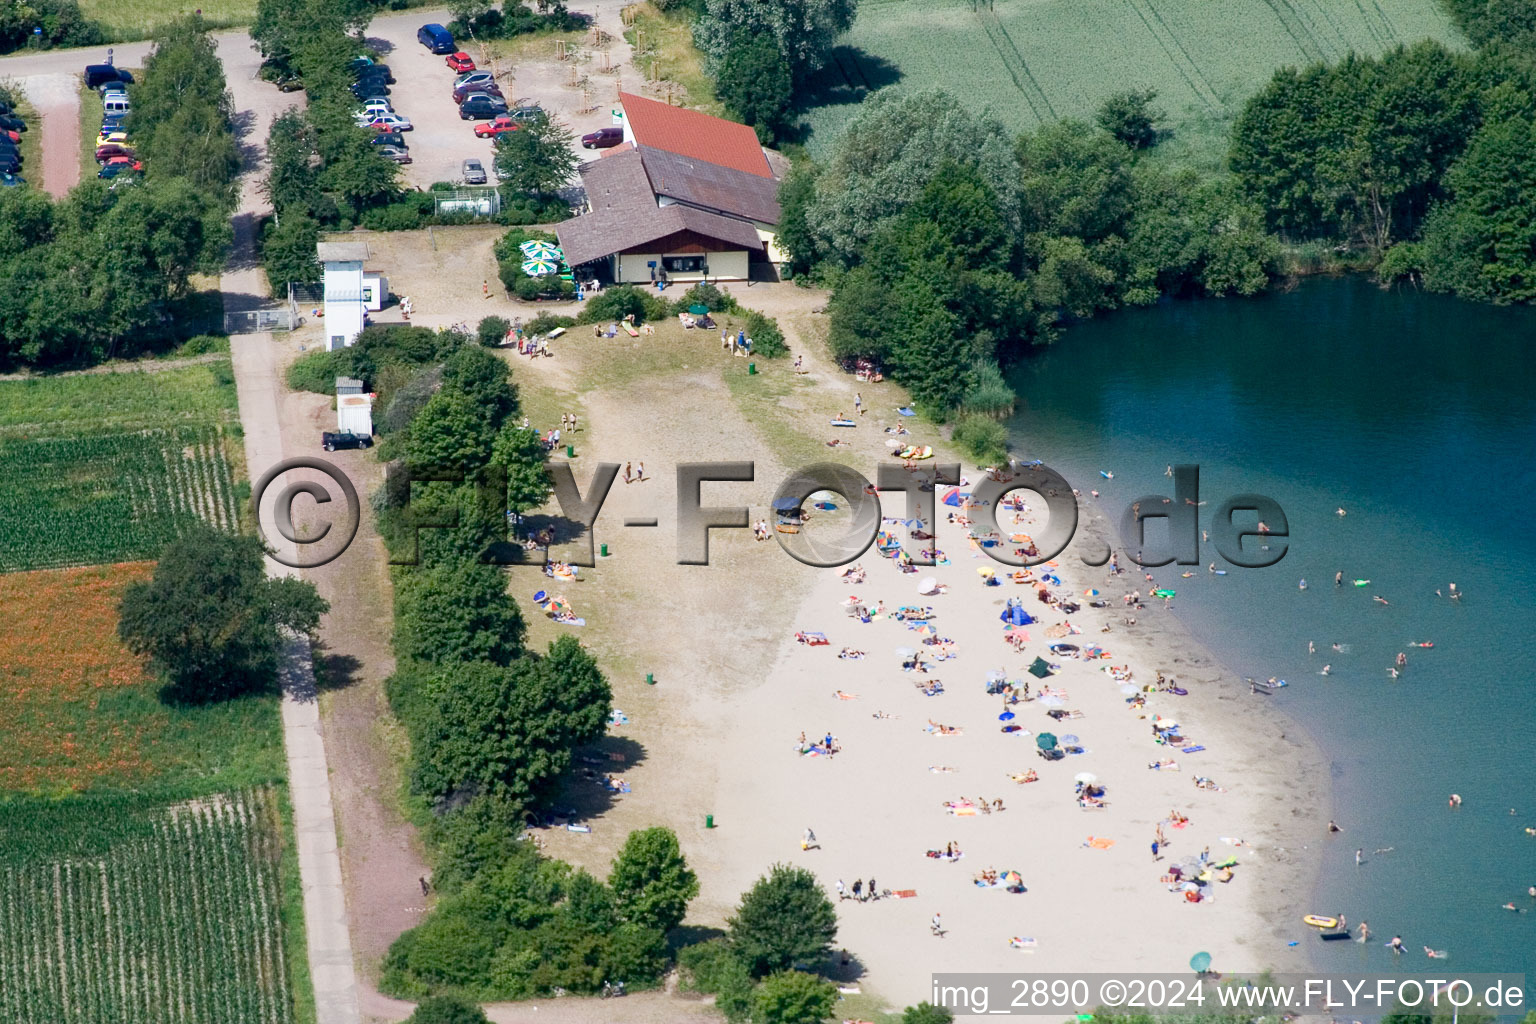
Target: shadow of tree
849 75
583 794
333 670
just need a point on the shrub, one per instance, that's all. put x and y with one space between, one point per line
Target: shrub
527 288
983 438
480 836
767 340
447 1010
990 395
317 371
546 322
492 331
793 997
706 294
399 216
202 344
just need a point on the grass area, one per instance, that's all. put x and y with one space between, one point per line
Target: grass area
664 50
90 127
112 909
531 46
79 712
1030 61
31 144
138 19
98 468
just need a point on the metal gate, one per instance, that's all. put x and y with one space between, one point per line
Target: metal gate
260 321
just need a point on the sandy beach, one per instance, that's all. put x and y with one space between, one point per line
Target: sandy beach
717 733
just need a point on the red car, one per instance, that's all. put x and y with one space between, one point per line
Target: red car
498 126
13 136
461 62
111 150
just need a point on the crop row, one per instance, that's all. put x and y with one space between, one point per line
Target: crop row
109 498
176 924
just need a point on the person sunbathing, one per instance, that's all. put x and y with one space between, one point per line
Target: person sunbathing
1166 762
849 654
1029 776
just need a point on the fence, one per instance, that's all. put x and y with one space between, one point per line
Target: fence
480 202
260 321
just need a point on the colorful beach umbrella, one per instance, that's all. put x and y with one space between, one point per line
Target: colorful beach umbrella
538 267
1200 962
1045 740
1006 716
1086 778
535 249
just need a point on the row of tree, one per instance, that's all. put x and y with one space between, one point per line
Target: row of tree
1417 158
951 246
106 272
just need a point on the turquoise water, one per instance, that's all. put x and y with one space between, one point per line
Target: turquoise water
1417 415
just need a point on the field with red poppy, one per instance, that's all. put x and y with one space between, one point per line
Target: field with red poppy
79 712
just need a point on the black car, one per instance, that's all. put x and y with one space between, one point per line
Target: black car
113 123
10 163
370 90
374 71
331 440
479 105
5 108
96 74
389 139
12 123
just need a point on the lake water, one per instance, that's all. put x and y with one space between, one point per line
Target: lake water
1417 415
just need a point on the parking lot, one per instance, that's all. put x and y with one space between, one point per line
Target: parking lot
439 141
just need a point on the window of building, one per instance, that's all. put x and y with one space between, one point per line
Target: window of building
682 264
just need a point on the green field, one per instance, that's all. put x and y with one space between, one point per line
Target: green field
98 468
137 19
1028 61
111 910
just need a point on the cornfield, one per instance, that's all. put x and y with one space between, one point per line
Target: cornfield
112 913
109 497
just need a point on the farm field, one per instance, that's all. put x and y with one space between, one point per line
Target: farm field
136 19
108 467
1029 61
112 909
79 712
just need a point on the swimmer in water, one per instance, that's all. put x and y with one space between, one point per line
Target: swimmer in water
1326 669
1455 800
1394 672
1365 932
1211 567
1340 511
1338 647
1311 647
1379 599
1511 906
1434 954
1396 945
1338 579
1302 585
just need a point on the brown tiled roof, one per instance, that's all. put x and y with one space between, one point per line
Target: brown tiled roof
625 215
711 186
692 134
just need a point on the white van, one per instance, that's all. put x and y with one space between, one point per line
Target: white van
115 103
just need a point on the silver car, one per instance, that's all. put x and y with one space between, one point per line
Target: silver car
474 172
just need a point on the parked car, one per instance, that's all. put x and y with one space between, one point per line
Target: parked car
478 75
377 108
113 86
9 150
388 139
95 74
399 154
9 180
525 114
495 127
10 163
115 103
6 133
474 172
11 122
331 440
112 149
119 165
107 138
461 61
481 105
436 38
290 83
114 123
370 90
489 88
384 122
603 138
362 66
5 108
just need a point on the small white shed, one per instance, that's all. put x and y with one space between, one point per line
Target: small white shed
354 409
344 300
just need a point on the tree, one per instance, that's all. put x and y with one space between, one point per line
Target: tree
457 611
804 30
182 112
651 881
210 618
1130 117
926 1013
492 331
447 1010
288 252
783 920
537 159
484 379
520 453
477 837
796 194
794 997
892 148
510 731
756 83
452 433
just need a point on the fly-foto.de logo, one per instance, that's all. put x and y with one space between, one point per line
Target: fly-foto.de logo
919 495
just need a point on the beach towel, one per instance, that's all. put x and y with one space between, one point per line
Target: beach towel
1193 750
629 329
617 717
904 894
906 412
578 828
1022 943
1099 843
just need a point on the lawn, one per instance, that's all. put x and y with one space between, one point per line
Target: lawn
1028 61
98 468
664 51
113 909
138 19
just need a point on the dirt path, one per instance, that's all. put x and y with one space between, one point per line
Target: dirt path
56 98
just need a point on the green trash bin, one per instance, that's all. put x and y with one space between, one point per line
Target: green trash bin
650 679
605 550
751 369
570 451
709 821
